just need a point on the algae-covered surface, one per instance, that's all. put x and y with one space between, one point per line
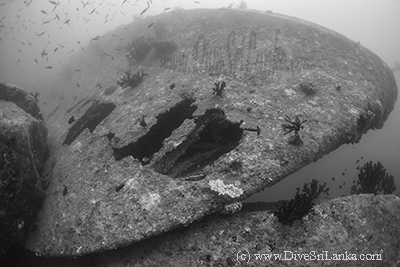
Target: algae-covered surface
136 162
346 231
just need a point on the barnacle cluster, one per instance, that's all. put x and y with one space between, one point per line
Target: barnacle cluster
232 208
131 79
373 179
308 88
223 189
302 203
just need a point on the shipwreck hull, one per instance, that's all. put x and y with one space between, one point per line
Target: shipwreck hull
142 161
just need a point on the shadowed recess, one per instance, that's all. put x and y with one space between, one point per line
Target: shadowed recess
96 113
145 147
213 136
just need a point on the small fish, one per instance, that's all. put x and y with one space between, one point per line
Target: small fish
40 34
77 70
167 8
172 86
35 60
57 17
77 84
49 67
56 49
45 22
333 178
44 12
71 120
151 24
95 38
92 11
112 57
84 4
53 2
144 11
67 21
43 53
2 4
197 2
124 1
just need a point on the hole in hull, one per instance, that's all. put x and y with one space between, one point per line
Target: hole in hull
96 113
213 136
146 146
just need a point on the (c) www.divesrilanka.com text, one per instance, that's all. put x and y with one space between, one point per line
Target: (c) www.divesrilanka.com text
244 256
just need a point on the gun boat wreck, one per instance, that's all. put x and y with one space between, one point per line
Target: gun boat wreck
203 127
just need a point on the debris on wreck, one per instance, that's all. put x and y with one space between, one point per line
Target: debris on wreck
302 203
131 80
257 130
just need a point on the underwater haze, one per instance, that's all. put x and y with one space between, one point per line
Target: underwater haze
38 38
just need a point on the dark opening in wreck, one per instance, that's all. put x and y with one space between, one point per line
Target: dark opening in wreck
213 136
95 114
145 147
